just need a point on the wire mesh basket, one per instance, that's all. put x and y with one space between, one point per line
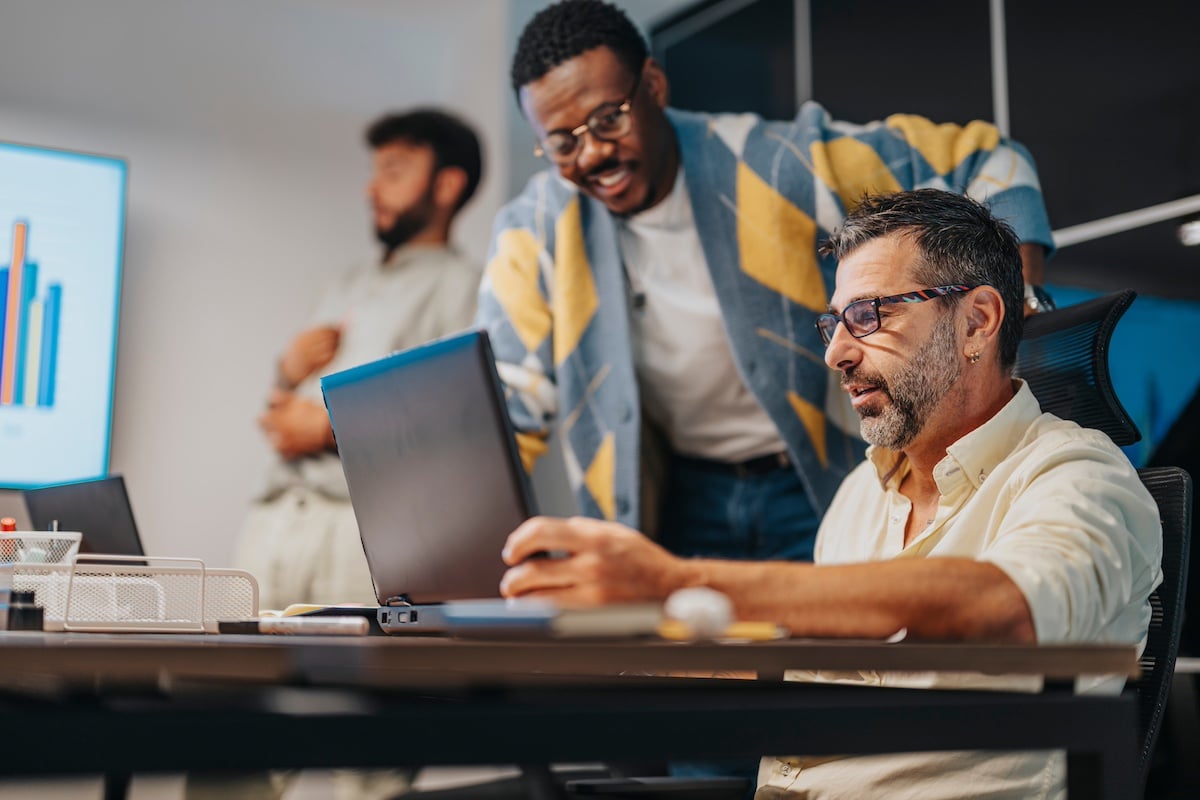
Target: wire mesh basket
38 547
127 593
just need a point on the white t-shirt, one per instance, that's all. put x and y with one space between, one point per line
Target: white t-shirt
690 385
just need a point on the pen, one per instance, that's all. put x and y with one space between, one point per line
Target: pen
309 626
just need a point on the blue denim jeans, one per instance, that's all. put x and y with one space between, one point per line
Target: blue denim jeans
709 511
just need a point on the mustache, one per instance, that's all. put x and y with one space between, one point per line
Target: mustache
863 379
610 164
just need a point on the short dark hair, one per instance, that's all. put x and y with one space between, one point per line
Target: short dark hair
453 142
959 240
570 28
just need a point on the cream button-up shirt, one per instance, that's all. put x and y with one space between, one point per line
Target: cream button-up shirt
1063 513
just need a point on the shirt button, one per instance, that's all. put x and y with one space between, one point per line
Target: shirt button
786 769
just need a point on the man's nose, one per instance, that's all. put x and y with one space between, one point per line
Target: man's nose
843 350
593 151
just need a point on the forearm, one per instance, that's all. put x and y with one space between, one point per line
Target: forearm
1033 263
282 381
947 599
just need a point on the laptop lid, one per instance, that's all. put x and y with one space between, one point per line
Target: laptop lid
99 509
433 470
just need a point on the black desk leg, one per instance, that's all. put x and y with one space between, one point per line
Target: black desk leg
116 785
1105 775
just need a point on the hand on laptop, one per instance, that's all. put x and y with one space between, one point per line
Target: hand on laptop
296 427
601 562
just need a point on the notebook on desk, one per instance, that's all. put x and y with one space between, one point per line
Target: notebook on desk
435 478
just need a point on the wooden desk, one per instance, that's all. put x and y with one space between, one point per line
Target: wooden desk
99 703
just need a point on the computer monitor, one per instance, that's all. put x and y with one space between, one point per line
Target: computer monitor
62 219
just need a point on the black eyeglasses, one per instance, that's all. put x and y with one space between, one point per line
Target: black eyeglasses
609 122
861 317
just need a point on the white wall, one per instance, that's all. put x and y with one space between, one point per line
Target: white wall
242 122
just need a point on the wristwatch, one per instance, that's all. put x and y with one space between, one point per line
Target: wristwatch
1038 299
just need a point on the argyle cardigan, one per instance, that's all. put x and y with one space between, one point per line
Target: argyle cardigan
554 296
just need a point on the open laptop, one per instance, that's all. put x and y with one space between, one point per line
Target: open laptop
99 509
434 475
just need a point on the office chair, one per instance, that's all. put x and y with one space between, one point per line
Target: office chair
1171 488
1064 358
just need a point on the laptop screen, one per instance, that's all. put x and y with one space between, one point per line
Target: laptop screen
99 509
432 466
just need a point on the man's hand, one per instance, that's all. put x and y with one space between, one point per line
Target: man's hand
1033 267
308 352
296 427
604 562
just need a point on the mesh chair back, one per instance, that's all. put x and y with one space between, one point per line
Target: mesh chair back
1064 358
1171 488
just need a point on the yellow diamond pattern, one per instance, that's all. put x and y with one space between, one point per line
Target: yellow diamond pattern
852 169
775 240
513 273
574 297
601 477
814 422
945 146
531 448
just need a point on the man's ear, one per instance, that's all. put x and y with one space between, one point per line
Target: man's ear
656 83
984 313
448 186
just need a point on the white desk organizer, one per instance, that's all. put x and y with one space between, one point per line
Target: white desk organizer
39 547
133 593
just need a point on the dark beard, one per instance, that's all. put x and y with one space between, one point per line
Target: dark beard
407 225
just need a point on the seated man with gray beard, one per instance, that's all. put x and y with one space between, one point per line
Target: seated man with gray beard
975 516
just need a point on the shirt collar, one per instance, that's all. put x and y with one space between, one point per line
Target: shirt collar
978 452
407 253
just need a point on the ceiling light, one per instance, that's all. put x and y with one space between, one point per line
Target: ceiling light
1189 232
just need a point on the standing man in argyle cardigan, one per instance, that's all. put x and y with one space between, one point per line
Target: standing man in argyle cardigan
663 275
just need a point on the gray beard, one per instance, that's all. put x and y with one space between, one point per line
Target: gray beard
916 390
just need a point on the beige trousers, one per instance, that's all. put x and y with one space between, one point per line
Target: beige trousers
303 547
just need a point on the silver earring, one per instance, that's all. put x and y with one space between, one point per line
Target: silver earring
974 357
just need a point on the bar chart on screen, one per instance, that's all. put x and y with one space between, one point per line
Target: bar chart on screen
29 326
62 219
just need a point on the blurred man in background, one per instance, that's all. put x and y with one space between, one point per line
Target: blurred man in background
301 540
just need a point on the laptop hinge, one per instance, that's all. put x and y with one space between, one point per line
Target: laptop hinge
398 600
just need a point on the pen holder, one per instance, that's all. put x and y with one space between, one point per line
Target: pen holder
39 547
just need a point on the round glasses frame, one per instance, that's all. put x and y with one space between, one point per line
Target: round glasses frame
607 122
861 317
